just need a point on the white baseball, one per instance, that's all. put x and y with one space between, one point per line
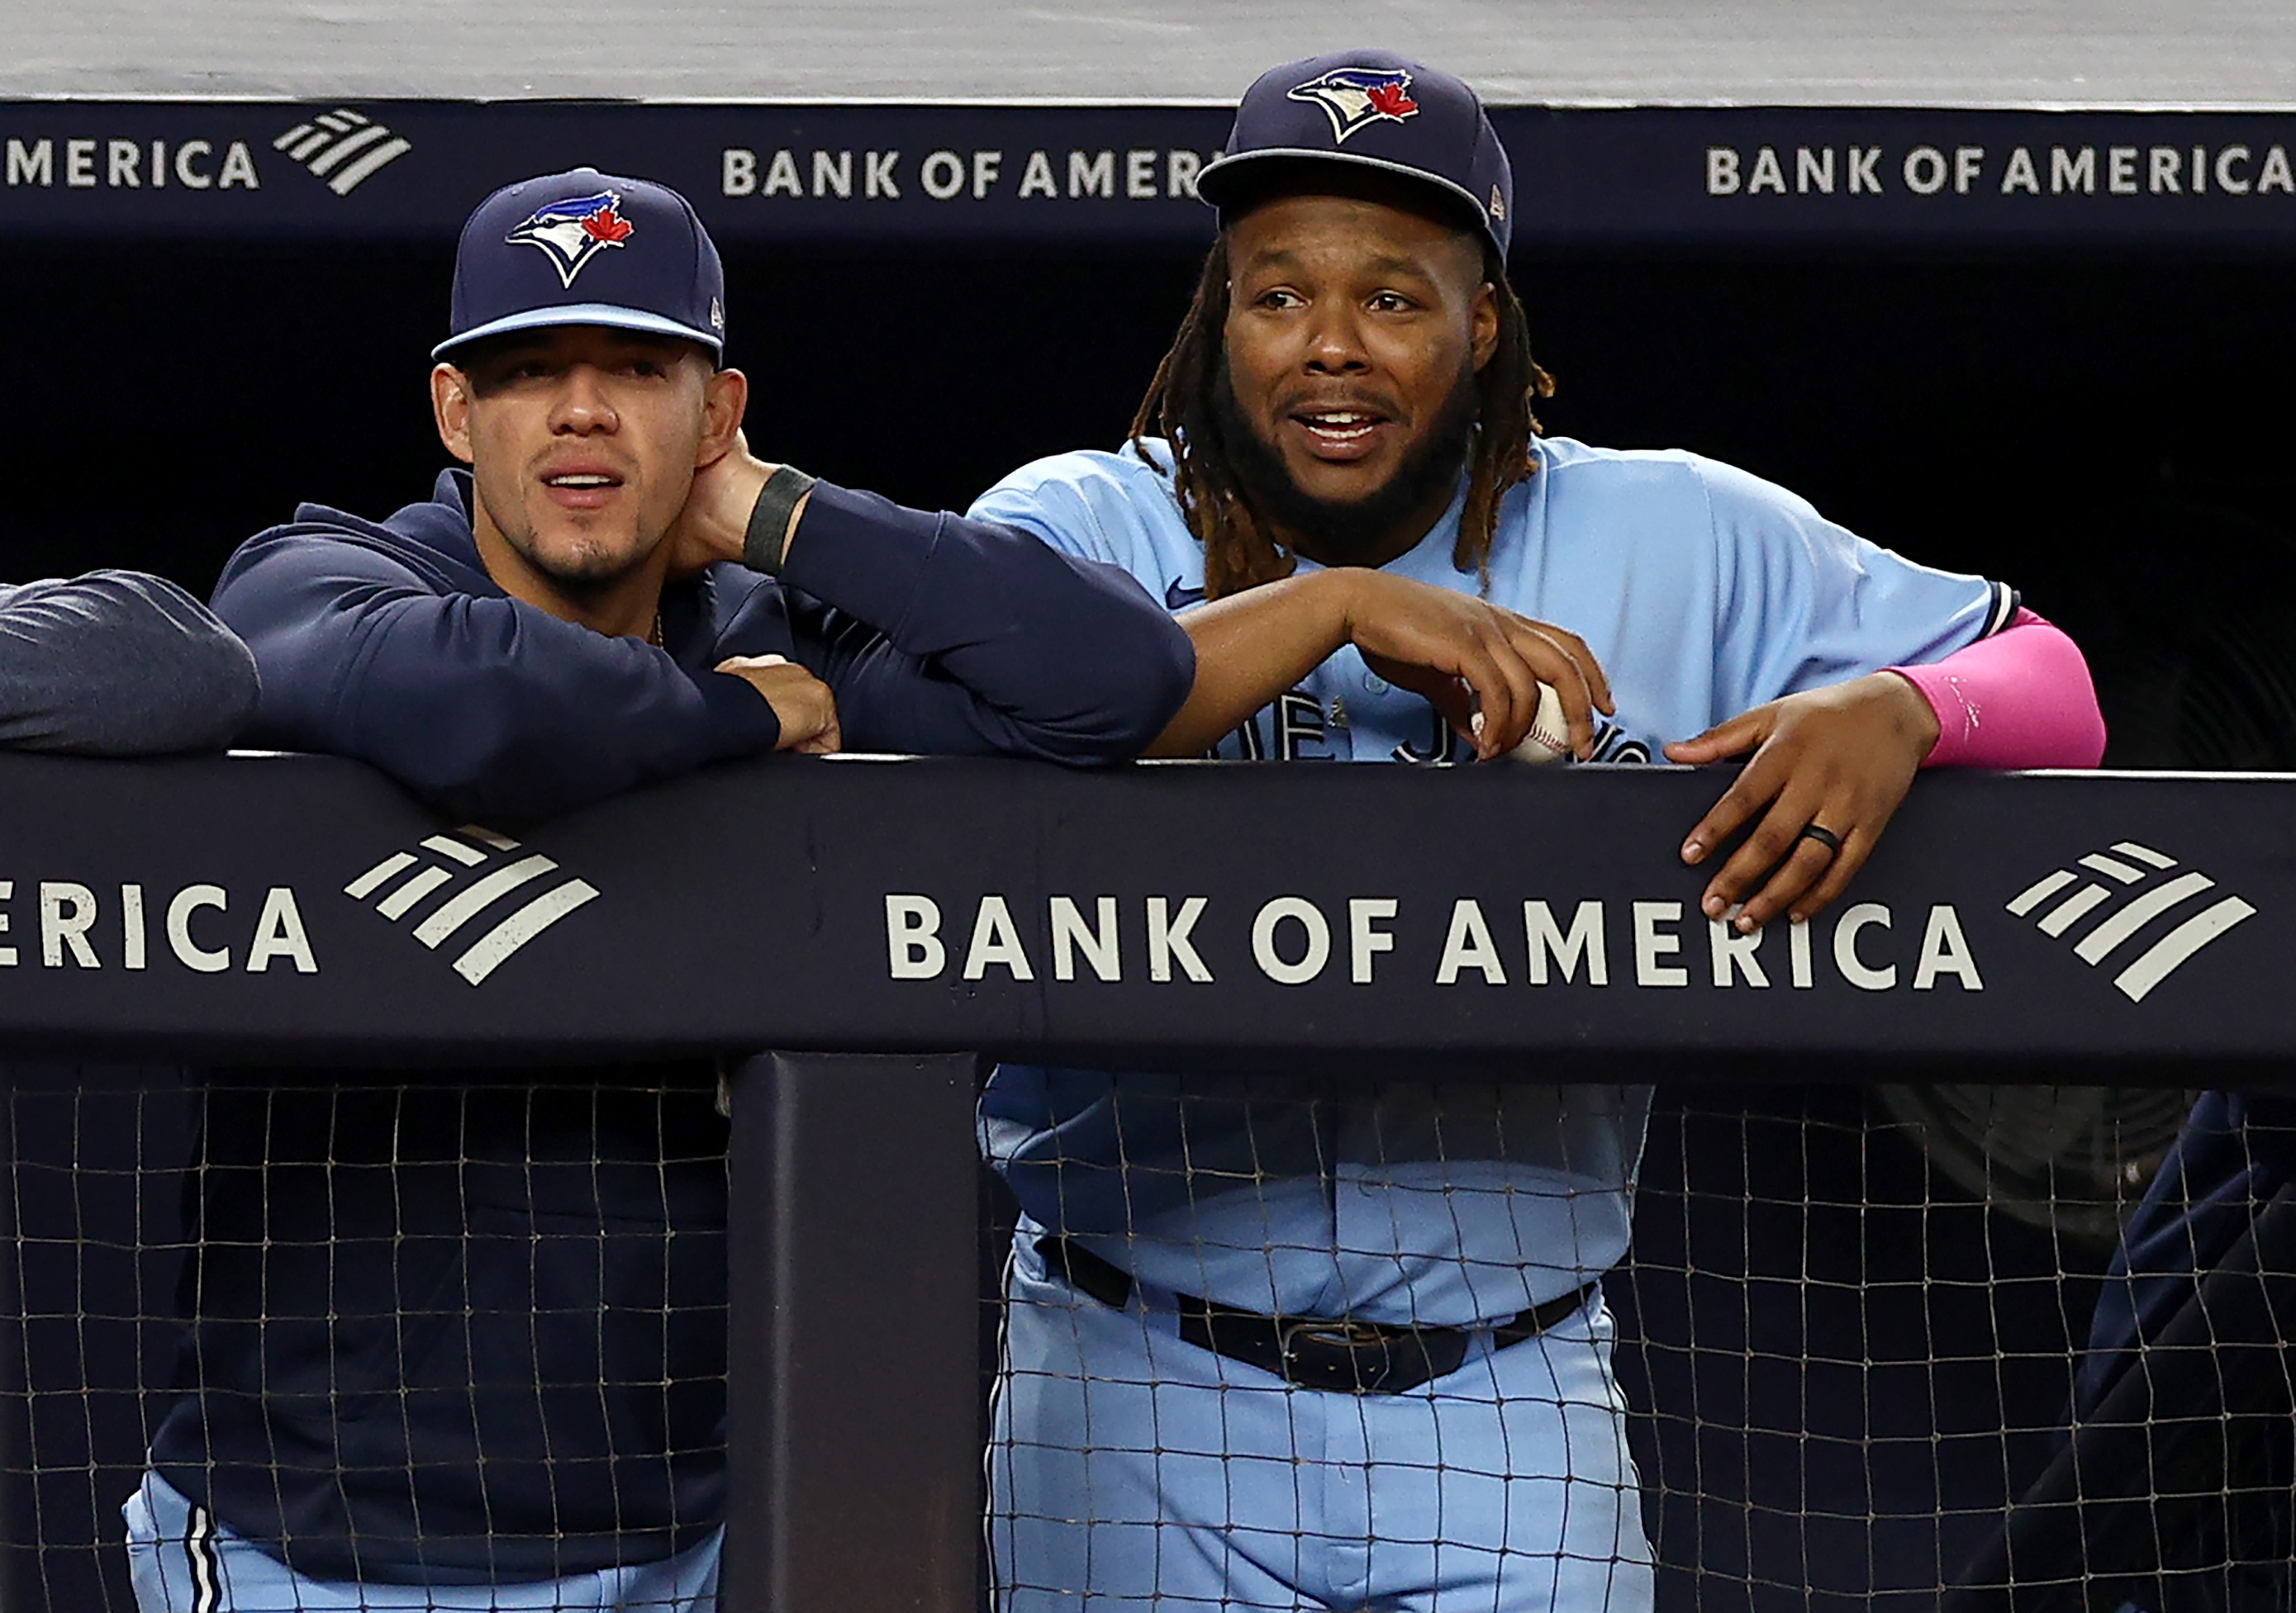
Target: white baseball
1549 739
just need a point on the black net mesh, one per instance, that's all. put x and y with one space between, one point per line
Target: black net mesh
465 1330
97 1157
1847 1365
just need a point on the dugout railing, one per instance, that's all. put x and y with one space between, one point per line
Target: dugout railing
864 916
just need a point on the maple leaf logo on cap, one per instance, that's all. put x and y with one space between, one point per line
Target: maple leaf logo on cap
607 228
1391 101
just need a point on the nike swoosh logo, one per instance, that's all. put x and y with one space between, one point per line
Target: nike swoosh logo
1178 598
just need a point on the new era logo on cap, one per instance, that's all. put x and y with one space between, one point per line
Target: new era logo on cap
572 231
1356 97
586 247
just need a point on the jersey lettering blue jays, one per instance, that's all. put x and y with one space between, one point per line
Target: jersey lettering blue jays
1702 592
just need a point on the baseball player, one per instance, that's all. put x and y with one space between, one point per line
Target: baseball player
457 1337
1278 1343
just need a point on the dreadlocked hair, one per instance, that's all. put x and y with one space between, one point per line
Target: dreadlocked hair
1239 552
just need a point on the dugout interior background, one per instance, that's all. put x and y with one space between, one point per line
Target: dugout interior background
2107 430
2104 424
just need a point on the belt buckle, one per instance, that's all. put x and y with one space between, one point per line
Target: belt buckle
1336 1333
1356 1357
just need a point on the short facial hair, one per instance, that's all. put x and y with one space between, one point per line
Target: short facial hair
583 583
1347 532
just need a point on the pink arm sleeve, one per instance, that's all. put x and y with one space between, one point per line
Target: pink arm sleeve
2022 698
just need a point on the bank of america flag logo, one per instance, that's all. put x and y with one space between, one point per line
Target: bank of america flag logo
342 147
472 891
2149 916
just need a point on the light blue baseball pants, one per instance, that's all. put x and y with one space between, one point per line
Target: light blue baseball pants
182 1560
1130 1470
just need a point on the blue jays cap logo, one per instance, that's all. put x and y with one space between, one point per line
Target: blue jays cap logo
1356 97
572 231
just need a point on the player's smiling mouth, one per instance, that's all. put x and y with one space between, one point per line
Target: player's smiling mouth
1338 434
581 486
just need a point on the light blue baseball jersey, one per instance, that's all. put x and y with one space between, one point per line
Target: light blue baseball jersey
1702 592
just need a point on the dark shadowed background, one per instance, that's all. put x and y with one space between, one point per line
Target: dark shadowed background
2109 435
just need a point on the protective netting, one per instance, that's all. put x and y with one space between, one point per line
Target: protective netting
461 1330
1841 1369
1848 1364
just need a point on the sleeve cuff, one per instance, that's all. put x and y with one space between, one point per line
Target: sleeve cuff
766 542
741 721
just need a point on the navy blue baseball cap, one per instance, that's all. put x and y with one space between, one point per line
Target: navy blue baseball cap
586 247
1373 109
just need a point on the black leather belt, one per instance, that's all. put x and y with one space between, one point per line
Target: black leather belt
1351 1357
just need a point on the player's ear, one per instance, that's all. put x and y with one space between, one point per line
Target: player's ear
1483 323
724 399
450 407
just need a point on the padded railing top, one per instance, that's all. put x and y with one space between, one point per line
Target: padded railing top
1386 919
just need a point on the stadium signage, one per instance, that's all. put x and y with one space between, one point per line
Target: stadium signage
859 174
2132 907
1138 173
208 929
464 887
1320 918
474 896
85 162
1295 941
342 147
2233 169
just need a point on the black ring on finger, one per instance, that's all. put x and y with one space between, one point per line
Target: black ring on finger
1828 838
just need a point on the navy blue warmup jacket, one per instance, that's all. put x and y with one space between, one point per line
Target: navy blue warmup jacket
468 1326
2236 1152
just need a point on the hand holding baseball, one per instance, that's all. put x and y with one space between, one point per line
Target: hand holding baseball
1488 670
1549 739
805 706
